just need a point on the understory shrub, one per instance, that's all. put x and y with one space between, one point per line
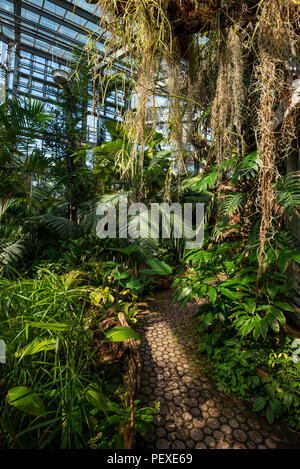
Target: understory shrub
241 325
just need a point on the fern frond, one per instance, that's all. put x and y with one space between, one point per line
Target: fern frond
247 168
231 205
288 193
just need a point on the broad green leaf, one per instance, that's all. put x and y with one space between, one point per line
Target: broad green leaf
182 293
212 293
264 326
208 318
250 305
247 327
156 267
201 291
270 414
288 399
284 257
50 326
296 257
244 362
127 251
95 397
259 404
36 346
248 279
275 406
135 284
274 325
284 305
233 281
231 294
277 314
120 276
26 400
272 290
121 333
256 331
282 262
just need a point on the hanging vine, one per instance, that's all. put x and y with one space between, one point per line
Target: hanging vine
274 41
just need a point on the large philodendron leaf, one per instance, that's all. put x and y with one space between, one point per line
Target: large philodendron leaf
135 285
26 400
156 268
128 250
121 333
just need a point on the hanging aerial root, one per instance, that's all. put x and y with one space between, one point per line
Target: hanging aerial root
274 40
226 115
267 150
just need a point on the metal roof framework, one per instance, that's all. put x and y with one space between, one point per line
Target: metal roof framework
38 35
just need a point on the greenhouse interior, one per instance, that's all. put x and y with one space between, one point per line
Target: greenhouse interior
150 225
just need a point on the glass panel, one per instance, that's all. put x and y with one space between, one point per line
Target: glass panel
75 18
90 26
83 4
67 31
26 39
56 51
7 6
29 15
49 23
55 9
36 2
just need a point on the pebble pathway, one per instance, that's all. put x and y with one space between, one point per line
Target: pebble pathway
193 414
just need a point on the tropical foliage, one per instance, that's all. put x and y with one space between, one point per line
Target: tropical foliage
202 127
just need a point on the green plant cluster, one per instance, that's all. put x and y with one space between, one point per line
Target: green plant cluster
241 325
51 367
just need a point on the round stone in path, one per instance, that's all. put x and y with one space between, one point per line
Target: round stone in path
160 432
201 446
210 441
196 435
240 435
255 437
271 444
162 444
178 445
193 412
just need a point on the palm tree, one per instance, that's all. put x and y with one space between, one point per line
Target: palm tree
21 123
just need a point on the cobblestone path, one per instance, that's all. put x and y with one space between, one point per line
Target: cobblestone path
194 414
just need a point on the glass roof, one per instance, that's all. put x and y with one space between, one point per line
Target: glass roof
59 24
38 35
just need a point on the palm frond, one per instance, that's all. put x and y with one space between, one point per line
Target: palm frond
4 206
12 252
63 227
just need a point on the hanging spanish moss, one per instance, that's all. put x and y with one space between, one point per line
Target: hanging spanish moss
226 115
273 42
